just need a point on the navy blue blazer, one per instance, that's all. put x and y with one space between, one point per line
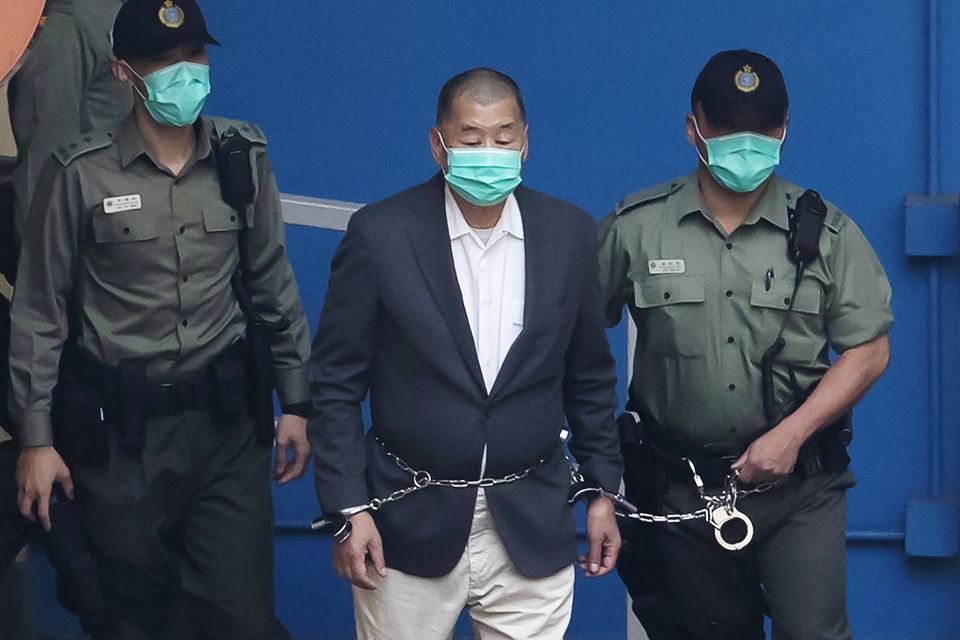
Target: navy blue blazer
394 326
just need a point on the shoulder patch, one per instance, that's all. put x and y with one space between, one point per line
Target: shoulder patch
248 130
834 220
86 143
644 196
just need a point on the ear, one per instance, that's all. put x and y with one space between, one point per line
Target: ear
121 73
436 149
526 144
691 130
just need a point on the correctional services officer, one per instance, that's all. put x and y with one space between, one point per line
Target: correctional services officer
707 267
132 237
65 87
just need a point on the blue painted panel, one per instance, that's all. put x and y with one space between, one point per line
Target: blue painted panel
932 225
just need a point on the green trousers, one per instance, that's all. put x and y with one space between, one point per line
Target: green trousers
794 570
184 532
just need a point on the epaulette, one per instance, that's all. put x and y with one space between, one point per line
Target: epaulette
86 143
248 130
644 196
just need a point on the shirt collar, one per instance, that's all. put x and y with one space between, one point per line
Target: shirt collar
132 146
510 220
772 205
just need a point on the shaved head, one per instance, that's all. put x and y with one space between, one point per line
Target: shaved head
482 86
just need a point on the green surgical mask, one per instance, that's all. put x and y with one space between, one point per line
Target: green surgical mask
484 176
176 93
741 161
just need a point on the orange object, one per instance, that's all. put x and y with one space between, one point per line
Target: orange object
22 20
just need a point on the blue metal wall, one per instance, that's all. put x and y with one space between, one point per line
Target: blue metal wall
346 91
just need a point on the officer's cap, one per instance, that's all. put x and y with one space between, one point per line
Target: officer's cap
741 90
146 28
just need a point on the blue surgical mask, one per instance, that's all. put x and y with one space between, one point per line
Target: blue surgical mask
741 161
484 176
176 93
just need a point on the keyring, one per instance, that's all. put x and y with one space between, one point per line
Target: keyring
721 515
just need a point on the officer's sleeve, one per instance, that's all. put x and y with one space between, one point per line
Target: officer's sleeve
858 296
44 281
615 286
272 286
340 366
589 383
46 94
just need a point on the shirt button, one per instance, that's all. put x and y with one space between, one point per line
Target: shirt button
729 294
185 278
126 229
729 245
732 387
666 295
786 301
182 230
184 323
730 339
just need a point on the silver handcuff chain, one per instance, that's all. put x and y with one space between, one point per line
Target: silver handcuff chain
717 510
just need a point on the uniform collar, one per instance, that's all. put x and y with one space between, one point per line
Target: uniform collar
132 146
772 206
510 220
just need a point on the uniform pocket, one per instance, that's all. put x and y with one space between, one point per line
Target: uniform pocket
220 216
670 314
129 226
804 330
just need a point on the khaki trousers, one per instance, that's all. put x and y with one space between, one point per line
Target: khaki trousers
502 604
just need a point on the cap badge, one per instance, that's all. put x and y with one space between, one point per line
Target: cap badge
747 79
171 15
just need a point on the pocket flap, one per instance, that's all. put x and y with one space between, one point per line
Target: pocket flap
780 292
132 226
220 217
657 291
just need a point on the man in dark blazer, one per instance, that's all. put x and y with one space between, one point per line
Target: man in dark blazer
468 308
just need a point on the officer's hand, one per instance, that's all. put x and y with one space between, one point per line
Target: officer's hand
359 559
292 436
770 457
37 469
604 538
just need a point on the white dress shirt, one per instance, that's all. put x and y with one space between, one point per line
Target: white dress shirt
492 277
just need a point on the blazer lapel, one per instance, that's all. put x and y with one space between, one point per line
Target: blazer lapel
431 242
538 260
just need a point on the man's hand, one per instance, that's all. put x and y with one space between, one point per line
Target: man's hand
37 469
362 551
292 436
604 538
771 456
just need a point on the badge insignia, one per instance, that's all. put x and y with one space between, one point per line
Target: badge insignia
171 15
119 204
747 79
675 265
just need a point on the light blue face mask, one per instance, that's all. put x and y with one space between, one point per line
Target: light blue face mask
484 176
741 161
176 93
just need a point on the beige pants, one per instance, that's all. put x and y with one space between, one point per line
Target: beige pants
503 605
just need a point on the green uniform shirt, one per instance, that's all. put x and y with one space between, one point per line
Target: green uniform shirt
65 87
707 305
149 282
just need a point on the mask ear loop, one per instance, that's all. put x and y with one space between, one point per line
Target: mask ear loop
135 87
702 139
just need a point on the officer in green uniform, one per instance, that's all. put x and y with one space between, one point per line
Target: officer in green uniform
707 266
64 88
135 235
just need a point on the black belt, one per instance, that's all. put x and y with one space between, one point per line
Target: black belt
825 451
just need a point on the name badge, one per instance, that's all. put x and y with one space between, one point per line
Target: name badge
117 204
657 267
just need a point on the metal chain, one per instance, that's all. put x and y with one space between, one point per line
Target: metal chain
423 479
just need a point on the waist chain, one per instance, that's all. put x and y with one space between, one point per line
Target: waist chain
718 510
